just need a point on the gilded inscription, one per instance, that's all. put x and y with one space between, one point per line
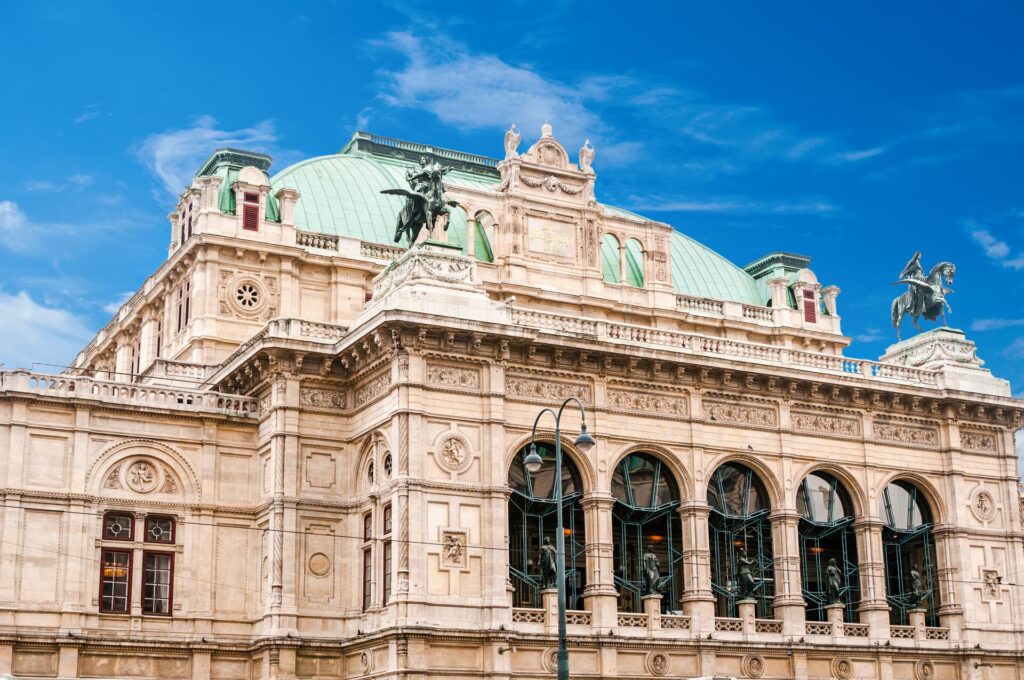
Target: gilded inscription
551 238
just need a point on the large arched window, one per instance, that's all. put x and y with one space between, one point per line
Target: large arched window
610 263
531 519
827 543
741 540
634 274
910 567
646 516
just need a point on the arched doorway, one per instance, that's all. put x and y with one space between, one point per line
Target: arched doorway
646 515
738 529
826 534
531 519
910 565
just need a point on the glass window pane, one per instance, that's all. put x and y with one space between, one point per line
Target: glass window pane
118 526
159 530
115 575
156 583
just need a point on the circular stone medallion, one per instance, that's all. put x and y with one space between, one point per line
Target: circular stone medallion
753 666
842 669
319 564
142 476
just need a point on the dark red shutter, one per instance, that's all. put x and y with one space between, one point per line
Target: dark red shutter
810 313
251 217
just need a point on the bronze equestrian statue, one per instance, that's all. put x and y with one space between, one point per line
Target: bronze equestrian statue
926 296
425 203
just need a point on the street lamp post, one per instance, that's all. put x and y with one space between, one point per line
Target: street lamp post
584 442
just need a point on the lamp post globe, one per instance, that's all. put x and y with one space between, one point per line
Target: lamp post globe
533 460
584 442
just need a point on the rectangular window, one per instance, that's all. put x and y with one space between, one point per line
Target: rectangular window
180 308
810 314
367 526
115 578
159 337
367 577
159 529
156 583
188 301
386 549
387 519
189 225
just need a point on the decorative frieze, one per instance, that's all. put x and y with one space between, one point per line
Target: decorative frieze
372 389
453 376
902 433
547 390
650 403
972 440
825 423
321 398
743 414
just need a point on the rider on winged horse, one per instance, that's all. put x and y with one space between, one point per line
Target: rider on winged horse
425 203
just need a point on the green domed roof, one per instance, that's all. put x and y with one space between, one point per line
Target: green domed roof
340 195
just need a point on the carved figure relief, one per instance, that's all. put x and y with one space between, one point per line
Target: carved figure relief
372 389
646 402
657 663
365 662
744 414
978 441
321 398
752 665
454 376
547 390
990 585
924 670
905 434
983 505
452 454
141 476
826 423
550 660
842 668
453 550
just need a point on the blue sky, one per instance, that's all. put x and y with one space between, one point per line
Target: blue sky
852 133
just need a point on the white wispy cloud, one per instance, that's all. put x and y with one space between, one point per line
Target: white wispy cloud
174 155
91 112
477 90
997 250
870 335
114 305
854 156
78 180
14 226
810 206
34 332
995 324
1015 350
23 234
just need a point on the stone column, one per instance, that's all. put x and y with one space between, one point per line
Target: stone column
600 595
788 603
622 262
873 609
470 232
698 600
950 562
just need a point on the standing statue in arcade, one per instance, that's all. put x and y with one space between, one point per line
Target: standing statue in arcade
548 564
835 582
425 203
927 294
745 583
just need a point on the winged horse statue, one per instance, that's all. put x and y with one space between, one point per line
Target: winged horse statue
426 201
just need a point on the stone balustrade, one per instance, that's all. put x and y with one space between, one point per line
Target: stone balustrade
309 239
693 343
309 331
129 394
379 251
179 370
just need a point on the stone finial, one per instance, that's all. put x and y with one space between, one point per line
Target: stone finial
545 130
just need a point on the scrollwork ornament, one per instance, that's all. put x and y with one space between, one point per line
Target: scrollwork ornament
752 666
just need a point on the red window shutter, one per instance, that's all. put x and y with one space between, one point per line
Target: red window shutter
251 217
810 313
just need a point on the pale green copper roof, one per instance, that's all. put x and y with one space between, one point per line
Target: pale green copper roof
340 195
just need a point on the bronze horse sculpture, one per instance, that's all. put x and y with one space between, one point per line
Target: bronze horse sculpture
926 296
425 203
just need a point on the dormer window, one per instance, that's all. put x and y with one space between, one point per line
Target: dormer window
251 211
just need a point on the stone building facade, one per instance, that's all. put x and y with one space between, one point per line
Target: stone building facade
297 452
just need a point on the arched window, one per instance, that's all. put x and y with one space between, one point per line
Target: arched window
741 540
484 235
634 263
827 542
645 516
610 258
910 565
531 519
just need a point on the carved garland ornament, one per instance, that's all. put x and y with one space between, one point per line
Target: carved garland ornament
744 414
547 390
752 665
842 668
657 663
551 183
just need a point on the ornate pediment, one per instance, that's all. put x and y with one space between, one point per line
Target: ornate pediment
548 151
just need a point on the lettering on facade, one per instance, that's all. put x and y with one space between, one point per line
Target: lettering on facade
826 423
905 434
744 414
551 238
547 390
645 402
